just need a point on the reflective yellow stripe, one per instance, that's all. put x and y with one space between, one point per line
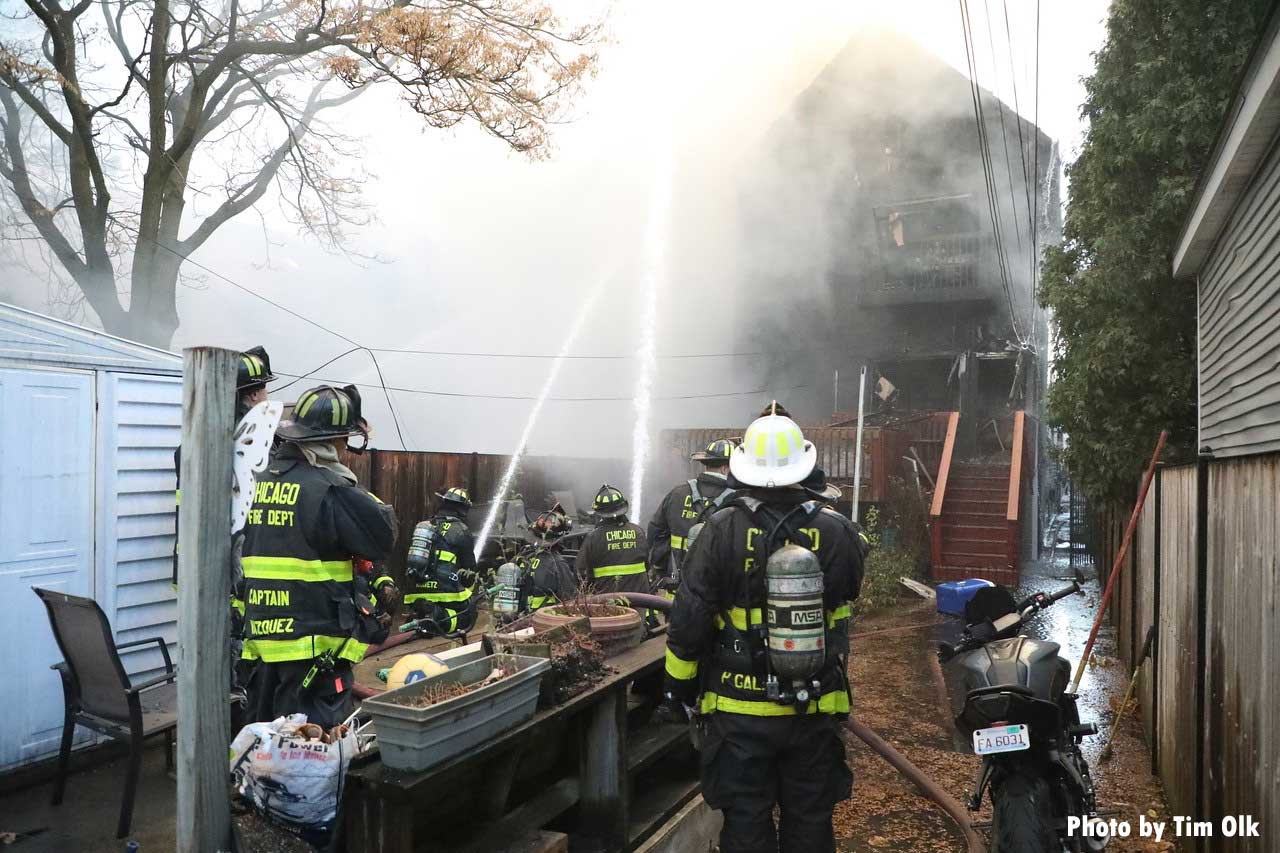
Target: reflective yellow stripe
293 569
761 440
302 648
677 542
177 497
834 616
738 616
383 579
304 404
437 596
237 604
536 601
835 702
679 668
446 556
784 444
615 571
669 594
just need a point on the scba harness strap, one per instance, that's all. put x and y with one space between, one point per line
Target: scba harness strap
743 632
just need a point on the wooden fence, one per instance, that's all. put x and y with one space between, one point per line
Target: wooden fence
1204 571
409 481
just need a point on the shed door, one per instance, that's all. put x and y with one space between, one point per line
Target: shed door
46 540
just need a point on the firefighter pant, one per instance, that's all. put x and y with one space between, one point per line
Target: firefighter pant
750 764
276 690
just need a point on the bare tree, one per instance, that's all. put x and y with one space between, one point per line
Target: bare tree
116 114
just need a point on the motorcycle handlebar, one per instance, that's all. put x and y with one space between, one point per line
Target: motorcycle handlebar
1063 593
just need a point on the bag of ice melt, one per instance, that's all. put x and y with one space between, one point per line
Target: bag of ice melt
293 780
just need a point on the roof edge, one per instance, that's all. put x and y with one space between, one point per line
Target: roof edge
162 359
1248 128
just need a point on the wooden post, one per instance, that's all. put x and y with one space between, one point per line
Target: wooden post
204 580
602 808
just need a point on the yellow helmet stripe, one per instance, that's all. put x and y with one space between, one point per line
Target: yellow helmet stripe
305 403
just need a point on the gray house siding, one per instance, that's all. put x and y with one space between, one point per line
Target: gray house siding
1239 294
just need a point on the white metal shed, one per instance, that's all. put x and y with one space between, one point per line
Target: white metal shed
88 424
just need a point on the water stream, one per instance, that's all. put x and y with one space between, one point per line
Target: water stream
505 483
652 277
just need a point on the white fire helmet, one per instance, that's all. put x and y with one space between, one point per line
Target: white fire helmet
773 454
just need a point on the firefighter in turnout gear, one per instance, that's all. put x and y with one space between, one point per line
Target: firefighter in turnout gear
441 565
309 525
612 557
548 576
253 372
758 644
686 505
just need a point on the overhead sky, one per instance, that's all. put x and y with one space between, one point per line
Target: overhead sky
476 249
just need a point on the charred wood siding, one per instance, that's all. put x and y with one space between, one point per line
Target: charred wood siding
1239 291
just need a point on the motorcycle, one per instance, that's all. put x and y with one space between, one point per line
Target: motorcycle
1025 726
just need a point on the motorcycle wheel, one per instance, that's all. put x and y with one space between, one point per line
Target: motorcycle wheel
1022 817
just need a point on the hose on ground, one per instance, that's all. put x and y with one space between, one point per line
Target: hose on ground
927 786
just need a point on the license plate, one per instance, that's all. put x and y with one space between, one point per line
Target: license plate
1001 739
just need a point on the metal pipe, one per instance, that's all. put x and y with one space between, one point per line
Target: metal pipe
926 786
857 459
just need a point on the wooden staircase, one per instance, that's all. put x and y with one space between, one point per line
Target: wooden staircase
974 520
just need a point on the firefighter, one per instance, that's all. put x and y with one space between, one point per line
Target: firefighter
770 670
310 524
686 505
442 565
612 557
548 576
253 372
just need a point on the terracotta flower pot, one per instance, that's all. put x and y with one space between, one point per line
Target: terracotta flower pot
615 632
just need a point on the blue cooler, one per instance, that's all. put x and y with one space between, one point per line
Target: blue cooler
954 595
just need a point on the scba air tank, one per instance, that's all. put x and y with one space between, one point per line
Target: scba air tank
507 601
794 614
422 550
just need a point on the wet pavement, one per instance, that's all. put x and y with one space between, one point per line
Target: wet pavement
902 693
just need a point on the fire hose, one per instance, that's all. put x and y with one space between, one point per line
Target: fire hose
897 760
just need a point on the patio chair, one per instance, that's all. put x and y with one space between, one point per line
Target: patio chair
98 694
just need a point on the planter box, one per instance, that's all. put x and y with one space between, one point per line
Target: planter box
420 738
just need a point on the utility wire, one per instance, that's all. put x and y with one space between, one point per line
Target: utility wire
1004 130
302 376
1035 239
463 395
984 153
395 419
1022 144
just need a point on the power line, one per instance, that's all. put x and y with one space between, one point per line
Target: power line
302 376
1022 144
1004 130
984 155
464 395
552 357
395 419
1035 238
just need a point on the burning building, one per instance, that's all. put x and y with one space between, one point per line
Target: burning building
895 221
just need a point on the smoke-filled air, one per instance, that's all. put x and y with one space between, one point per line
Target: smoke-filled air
689 244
